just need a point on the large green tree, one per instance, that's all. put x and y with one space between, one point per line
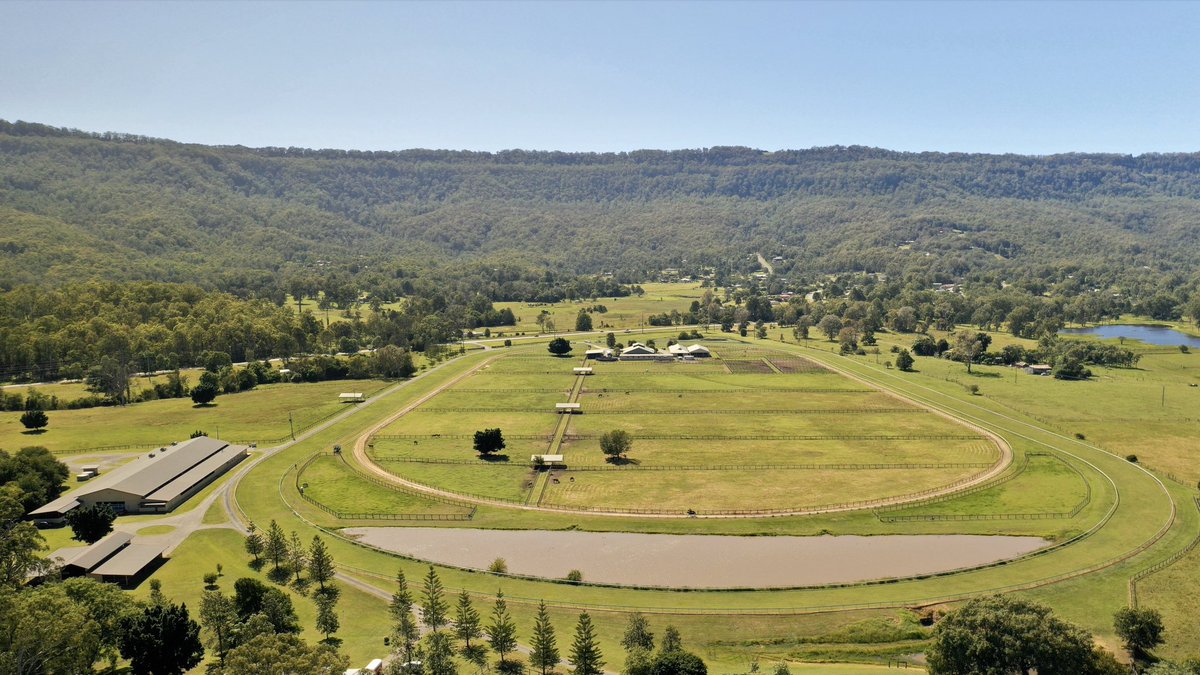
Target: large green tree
162 640
91 523
999 635
1141 629
26 643
36 472
275 654
559 346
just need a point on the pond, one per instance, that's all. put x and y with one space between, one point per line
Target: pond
1152 335
698 561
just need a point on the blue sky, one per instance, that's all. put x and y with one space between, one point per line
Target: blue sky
989 77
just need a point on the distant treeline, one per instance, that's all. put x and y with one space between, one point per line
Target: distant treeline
66 331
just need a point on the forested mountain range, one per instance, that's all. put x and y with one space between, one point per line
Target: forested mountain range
79 206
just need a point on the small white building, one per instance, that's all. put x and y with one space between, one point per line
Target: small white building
699 351
352 397
547 460
567 408
583 371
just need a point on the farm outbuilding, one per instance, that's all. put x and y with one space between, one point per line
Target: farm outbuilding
76 562
130 565
156 482
567 408
352 397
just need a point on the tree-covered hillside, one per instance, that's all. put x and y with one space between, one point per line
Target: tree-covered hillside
76 206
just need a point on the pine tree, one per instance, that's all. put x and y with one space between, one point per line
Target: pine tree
671 642
327 619
502 632
404 627
439 655
544 654
637 633
467 626
433 605
297 555
320 563
585 653
277 548
254 543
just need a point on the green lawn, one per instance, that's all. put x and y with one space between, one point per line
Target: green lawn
683 489
331 483
623 313
1048 484
669 452
500 481
260 414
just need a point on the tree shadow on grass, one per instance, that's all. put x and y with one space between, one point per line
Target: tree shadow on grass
494 458
204 405
279 575
33 432
622 461
976 373
257 565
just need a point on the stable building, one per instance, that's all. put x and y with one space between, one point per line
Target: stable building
114 559
157 482
640 352
78 561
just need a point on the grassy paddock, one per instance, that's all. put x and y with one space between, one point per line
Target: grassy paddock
259 414
330 482
754 489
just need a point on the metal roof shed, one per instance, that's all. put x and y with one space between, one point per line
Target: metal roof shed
129 564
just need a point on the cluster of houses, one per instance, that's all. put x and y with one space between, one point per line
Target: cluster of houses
640 352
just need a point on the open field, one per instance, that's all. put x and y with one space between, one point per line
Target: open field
719 444
328 481
627 312
1085 579
252 416
739 489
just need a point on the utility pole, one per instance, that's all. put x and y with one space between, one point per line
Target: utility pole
291 426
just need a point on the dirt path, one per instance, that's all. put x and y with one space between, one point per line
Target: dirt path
765 264
1006 458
